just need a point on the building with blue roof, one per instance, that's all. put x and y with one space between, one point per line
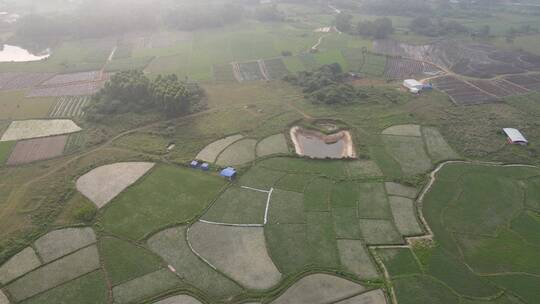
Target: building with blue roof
228 172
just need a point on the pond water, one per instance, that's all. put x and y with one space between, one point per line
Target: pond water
317 145
12 53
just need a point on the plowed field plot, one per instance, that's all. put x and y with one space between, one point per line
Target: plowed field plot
69 106
75 89
397 68
462 93
32 150
492 87
276 68
64 79
510 87
25 129
525 81
250 71
19 81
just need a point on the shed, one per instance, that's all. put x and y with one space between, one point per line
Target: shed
194 164
413 85
205 167
228 172
515 136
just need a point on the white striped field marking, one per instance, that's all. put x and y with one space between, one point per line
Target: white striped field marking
267 205
255 189
232 225
196 253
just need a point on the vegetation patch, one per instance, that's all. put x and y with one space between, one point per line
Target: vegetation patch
321 239
399 261
275 144
21 263
211 152
238 206
300 165
400 190
379 232
32 150
239 252
146 286
409 152
125 261
172 246
286 207
104 183
346 223
239 153
260 178
525 286
184 299
362 169
319 288
61 242
5 151
355 258
317 195
51 275
168 195
294 182
404 212
403 130
15 105
437 147
422 289
372 202
527 224
25 129
372 297
288 247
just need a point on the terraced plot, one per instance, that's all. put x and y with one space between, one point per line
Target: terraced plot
211 152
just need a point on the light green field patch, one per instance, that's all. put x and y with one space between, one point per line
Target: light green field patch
317 195
260 178
294 64
525 286
399 261
19 264
172 246
532 193
362 168
239 153
294 182
409 152
403 130
400 190
322 239
211 152
370 297
239 252
286 207
182 299
319 288
379 232
405 218
5 150
324 167
344 195
275 144
58 243
437 147
68 268
355 258
88 289
125 261
527 224
143 287
238 206
423 289
346 223
288 247
372 202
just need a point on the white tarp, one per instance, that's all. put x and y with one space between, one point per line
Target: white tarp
514 135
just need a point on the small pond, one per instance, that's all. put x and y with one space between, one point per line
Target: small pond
12 53
318 145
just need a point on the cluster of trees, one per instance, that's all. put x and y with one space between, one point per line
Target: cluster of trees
379 28
132 91
326 85
428 27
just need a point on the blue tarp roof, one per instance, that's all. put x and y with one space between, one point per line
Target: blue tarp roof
228 172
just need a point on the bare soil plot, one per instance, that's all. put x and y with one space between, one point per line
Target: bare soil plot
436 145
148 285
238 206
319 289
399 68
20 264
63 79
275 144
20 81
404 212
409 152
25 129
104 183
56 273
250 71
239 252
67 106
370 297
181 299
510 87
525 81
380 232
239 153
403 130
3 298
61 242
396 189
492 87
276 68
32 150
356 259
211 152
462 93
172 246
372 201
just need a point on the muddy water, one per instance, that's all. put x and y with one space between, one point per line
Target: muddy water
12 53
317 145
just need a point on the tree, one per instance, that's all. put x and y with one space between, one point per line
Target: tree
378 29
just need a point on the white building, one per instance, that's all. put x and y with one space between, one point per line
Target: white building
515 137
413 85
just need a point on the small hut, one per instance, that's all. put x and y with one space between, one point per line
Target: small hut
205 167
194 164
515 137
229 173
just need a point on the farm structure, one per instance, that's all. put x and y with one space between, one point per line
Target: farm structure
414 86
399 68
515 137
32 150
461 92
74 84
69 106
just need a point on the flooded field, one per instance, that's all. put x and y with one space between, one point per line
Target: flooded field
318 145
12 53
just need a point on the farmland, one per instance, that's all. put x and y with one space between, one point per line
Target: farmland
433 207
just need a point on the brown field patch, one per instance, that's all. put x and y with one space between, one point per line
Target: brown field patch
32 150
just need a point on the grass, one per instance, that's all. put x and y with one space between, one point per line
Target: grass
333 169
238 206
317 195
276 68
321 239
287 245
344 195
125 261
437 147
5 151
355 258
177 195
409 152
239 153
372 202
525 286
399 261
274 144
14 105
404 211
378 232
88 289
346 223
422 289
294 182
527 224
260 178
286 207
373 65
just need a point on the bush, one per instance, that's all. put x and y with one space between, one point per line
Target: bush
85 214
